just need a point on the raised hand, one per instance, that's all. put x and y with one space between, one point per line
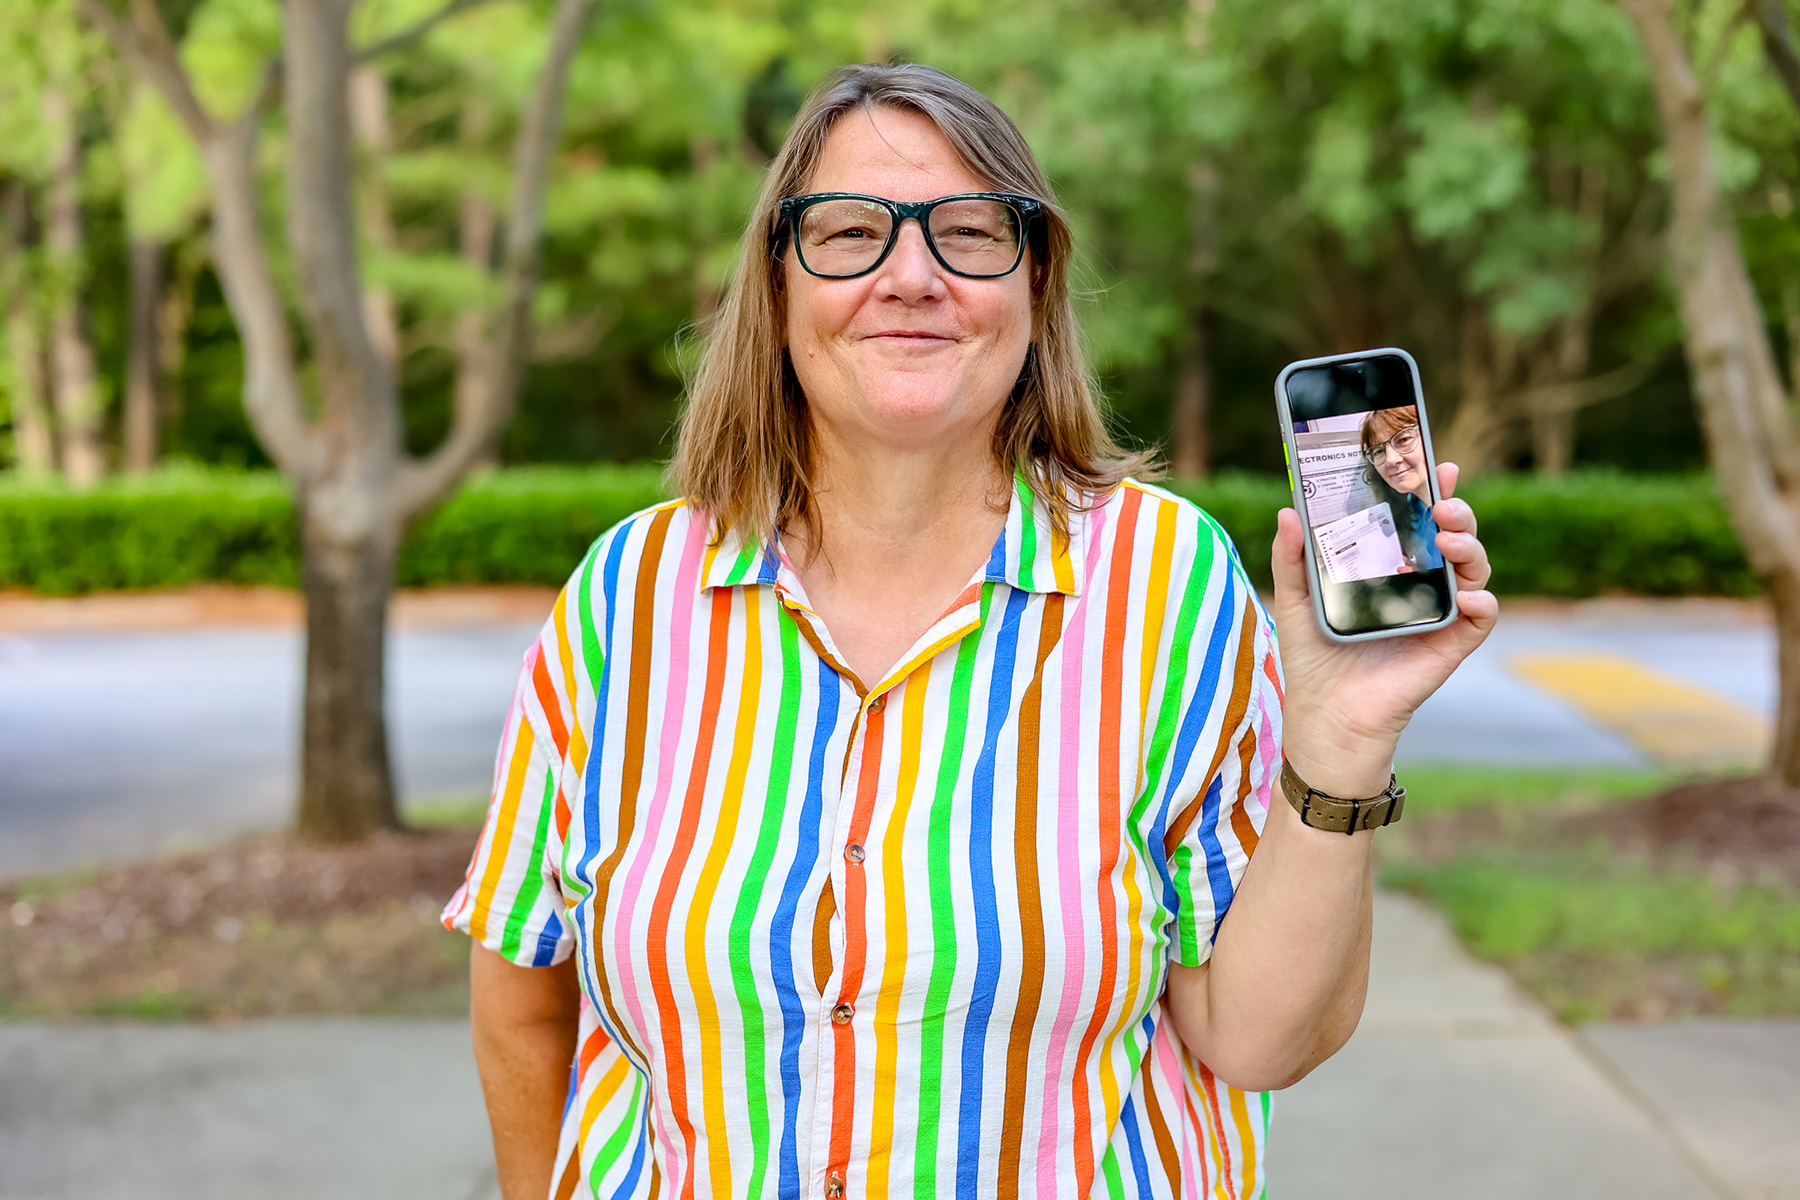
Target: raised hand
1347 703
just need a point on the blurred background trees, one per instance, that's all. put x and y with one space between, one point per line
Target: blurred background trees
1479 180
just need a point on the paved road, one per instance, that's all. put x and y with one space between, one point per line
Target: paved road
114 743
1454 1086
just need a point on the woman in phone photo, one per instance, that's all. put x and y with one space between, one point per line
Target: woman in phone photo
1391 443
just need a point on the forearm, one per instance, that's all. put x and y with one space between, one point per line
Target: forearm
1289 971
523 1025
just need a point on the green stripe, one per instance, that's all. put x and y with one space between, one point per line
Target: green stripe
534 878
614 1150
1027 537
943 910
594 659
755 885
1166 721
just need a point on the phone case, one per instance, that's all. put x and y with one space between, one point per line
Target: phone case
1290 450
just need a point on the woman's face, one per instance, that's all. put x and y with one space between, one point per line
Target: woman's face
1405 470
908 356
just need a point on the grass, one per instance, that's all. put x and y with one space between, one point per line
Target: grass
1594 933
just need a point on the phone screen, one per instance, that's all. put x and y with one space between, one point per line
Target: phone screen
1362 454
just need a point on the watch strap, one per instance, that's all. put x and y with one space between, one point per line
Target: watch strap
1334 814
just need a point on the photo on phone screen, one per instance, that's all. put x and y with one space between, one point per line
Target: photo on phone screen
1364 473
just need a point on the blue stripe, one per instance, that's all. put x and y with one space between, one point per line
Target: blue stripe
781 929
592 771
548 939
987 909
628 1185
1193 723
996 568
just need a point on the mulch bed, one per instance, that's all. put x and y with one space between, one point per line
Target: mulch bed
262 926
1737 829
1749 828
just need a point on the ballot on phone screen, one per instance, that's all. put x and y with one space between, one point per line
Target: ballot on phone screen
1359 459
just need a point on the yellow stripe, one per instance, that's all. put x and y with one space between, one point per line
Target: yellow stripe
508 814
750 636
1673 722
893 971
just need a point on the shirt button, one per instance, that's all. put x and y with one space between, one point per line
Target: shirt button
841 1016
834 1187
878 703
854 853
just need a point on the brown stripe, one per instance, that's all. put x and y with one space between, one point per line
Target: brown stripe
1159 1122
1240 815
822 915
1031 908
565 1187
637 717
1234 716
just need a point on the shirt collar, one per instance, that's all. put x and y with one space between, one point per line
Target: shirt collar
1029 555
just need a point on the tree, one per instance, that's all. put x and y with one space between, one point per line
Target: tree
341 447
1750 428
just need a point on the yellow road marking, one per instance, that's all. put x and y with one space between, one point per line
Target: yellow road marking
1675 723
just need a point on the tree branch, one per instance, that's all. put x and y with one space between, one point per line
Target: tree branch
146 44
509 339
411 34
1778 43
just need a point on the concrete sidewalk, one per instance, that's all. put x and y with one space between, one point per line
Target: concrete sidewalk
1458 1085
1455 1086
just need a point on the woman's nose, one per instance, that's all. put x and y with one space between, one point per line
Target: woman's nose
911 270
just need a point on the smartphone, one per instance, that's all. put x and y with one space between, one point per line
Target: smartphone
1359 460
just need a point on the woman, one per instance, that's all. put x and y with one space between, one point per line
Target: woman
866 820
1391 443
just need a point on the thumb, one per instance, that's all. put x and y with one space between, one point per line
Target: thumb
1287 564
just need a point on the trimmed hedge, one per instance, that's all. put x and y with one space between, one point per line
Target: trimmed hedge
1580 535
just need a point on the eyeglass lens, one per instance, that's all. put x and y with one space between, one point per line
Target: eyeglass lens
848 237
1400 444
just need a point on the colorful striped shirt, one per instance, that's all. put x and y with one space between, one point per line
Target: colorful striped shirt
900 940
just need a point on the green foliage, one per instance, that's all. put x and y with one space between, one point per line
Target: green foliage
1590 533
172 528
1432 790
526 525
1578 536
1583 930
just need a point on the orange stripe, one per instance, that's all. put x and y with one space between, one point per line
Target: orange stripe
856 948
551 704
508 814
1112 698
674 1064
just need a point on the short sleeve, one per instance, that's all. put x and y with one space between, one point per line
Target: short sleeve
511 901
1231 733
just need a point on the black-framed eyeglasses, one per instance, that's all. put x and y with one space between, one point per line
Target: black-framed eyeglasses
978 235
1404 442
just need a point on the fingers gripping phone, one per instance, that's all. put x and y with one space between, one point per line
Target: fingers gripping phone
1359 460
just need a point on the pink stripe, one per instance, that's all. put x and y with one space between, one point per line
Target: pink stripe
1168 1060
687 576
1068 844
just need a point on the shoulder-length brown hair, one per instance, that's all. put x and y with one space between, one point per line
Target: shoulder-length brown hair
744 452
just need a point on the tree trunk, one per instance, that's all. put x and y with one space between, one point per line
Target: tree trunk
77 386
34 447
1750 435
1193 400
347 788
175 308
142 355
477 224
369 115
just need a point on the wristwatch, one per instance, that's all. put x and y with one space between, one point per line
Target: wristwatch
1333 814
